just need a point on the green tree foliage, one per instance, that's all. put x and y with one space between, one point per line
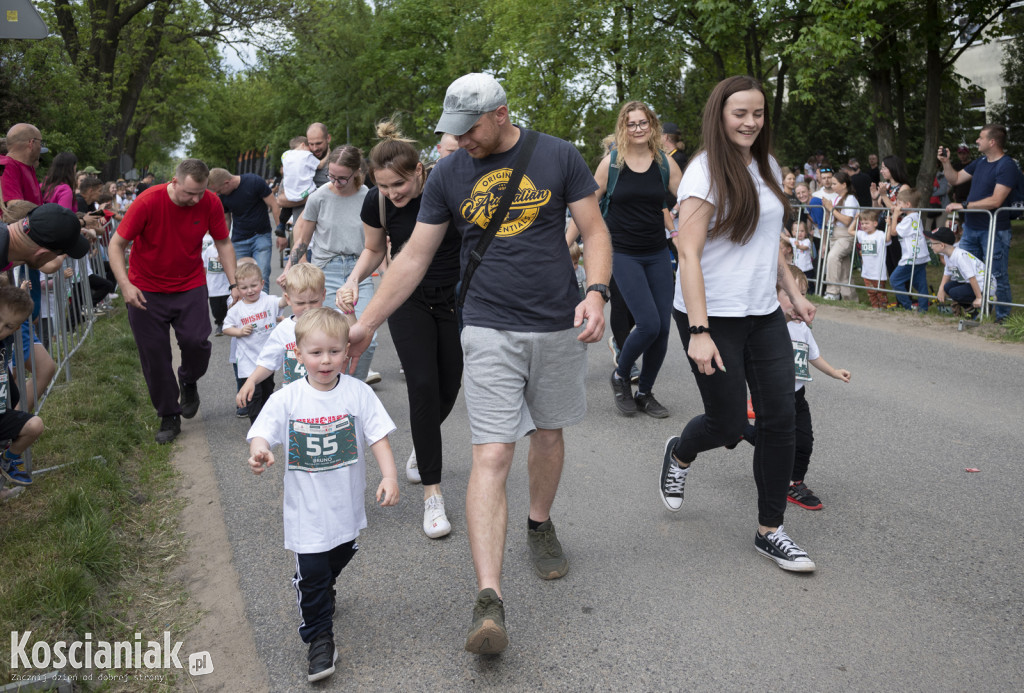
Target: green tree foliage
1011 111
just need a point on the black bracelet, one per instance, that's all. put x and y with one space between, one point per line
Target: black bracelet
699 329
231 286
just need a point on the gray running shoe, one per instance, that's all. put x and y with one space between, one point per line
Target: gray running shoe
546 553
487 635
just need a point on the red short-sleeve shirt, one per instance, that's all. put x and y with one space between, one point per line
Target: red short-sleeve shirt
167 240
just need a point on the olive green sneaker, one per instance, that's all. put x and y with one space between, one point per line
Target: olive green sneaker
546 553
487 635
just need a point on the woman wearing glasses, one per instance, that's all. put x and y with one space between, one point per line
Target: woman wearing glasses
330 228
642 266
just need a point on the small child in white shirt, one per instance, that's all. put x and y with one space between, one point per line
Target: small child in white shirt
250 321
963 280
216 285
872 254
300 166
324 422
805 351
914 260
304 289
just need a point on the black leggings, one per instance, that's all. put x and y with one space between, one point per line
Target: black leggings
619 318
425 332
758 352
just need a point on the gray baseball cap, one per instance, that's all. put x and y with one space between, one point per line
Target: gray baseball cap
468 98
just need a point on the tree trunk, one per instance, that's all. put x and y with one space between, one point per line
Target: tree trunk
881 88
932 98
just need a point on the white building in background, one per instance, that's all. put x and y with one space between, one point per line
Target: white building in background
982 65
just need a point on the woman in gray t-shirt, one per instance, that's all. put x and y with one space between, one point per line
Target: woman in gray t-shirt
330 228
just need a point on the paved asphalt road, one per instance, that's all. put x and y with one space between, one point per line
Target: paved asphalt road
919 585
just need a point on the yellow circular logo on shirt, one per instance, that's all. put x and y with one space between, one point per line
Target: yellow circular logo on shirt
486 195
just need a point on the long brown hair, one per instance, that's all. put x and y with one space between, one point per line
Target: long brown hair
394 151
738 209
622 134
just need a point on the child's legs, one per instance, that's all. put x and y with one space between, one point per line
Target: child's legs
804 436
961 292
920 282
315 574
260 394
900 280
21 429
219 308
877 298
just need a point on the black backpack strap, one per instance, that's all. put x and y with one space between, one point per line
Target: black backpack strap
498 218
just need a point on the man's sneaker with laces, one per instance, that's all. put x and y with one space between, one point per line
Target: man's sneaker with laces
650 406
322 657
623 391
673 478
487 635
546 552
412 470
800 495
189 399
170 427
435 522
780 548
13 469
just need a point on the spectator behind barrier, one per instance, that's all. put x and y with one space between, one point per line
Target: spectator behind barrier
18 429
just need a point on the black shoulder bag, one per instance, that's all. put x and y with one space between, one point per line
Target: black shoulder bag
498 218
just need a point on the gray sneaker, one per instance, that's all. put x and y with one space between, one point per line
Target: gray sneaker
546 553
487 635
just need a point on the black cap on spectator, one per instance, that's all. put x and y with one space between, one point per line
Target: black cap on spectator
670 128
942 234
57 228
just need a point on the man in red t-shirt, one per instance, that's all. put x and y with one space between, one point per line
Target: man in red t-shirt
166 286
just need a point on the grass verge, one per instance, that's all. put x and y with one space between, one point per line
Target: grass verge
89 547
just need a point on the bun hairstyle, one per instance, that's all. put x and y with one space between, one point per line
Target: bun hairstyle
394 151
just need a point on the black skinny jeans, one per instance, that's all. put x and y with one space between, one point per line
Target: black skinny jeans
425 332
758 352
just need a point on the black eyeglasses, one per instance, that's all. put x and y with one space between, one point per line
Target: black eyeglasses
339 180
642 125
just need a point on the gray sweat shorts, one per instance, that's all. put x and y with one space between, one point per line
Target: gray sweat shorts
517 382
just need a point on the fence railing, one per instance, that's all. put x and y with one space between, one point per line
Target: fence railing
827 230
68 302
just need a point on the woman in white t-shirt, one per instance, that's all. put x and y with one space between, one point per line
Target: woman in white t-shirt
731 209
841 242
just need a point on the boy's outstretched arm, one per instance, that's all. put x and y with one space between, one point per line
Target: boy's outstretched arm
387 492
260 456
249 386
838 373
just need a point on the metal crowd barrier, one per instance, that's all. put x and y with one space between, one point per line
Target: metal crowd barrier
826 239
62 321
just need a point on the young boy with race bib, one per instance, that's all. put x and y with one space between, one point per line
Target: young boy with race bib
250 321
304 288
324 420
805 351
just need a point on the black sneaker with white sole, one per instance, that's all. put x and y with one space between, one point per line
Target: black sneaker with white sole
650 406
623 391
189 400
673 478
322 657
780 548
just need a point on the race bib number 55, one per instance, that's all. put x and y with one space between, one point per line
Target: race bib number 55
321 447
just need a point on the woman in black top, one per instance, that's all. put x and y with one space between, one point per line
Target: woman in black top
424 329
642 266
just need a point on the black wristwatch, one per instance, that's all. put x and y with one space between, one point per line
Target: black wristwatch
699 329
231 286
602 289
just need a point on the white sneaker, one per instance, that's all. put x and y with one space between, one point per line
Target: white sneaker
435 522
412 472
372 377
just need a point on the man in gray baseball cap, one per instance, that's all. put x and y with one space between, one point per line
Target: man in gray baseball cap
526 329
468 98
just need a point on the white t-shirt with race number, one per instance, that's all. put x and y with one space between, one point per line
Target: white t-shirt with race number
280 350
263 316
872 254
805 350
324 436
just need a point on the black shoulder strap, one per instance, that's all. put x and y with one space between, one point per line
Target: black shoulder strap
529 142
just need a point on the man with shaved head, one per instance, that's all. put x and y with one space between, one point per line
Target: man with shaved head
19 181
319 141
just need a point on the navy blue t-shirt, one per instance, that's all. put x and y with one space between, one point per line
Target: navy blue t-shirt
400 221
526 282
249 214
984 178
